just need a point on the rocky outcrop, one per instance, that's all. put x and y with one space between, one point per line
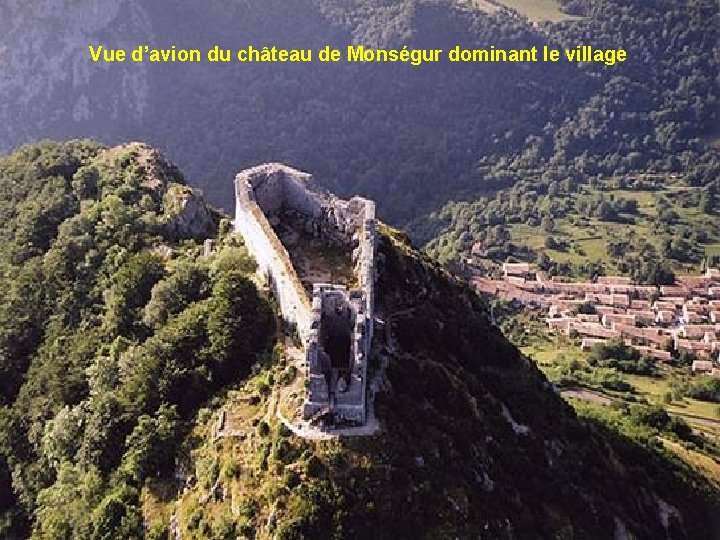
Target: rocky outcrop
188 215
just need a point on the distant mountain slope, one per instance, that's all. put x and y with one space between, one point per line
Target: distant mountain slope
358 127
649 228
412 138
48 86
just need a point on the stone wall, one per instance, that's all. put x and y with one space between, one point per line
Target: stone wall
263 193
326 390
278 187
272 258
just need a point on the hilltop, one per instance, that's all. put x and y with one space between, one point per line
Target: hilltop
474 440
136 333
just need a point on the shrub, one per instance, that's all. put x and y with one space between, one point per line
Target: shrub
705 388
232 468
314 467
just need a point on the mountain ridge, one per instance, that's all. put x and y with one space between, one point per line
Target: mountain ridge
469 444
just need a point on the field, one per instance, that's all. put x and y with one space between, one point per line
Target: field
583 386
535 10
652 389
554 353
538 10
585 239
484 5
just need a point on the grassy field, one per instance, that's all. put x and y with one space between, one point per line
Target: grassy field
552 352
564 363
653 389
483 5
586 239
538 10
702 462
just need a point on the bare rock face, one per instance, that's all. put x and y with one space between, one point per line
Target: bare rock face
187 213
46 78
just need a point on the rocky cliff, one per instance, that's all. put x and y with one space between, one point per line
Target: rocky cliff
47 84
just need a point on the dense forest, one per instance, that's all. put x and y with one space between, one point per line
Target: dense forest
412 138
646 125
114 327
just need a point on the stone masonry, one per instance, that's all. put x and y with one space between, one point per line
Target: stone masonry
336 324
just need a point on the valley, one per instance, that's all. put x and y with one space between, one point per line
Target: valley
614 392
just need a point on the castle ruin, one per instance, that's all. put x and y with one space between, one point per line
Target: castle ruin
296 232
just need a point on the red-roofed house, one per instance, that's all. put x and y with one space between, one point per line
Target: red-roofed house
696 331
698 347
670 290
610 319
656 354
665 317
691 317
589 343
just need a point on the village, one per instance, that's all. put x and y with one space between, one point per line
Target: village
659 322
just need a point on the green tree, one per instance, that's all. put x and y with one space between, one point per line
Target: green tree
188 283
239 323
118 516
149 444
65 508
130 291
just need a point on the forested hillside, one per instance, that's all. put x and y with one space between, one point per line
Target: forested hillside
114 328
474 441
649 228
647 136
412 138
